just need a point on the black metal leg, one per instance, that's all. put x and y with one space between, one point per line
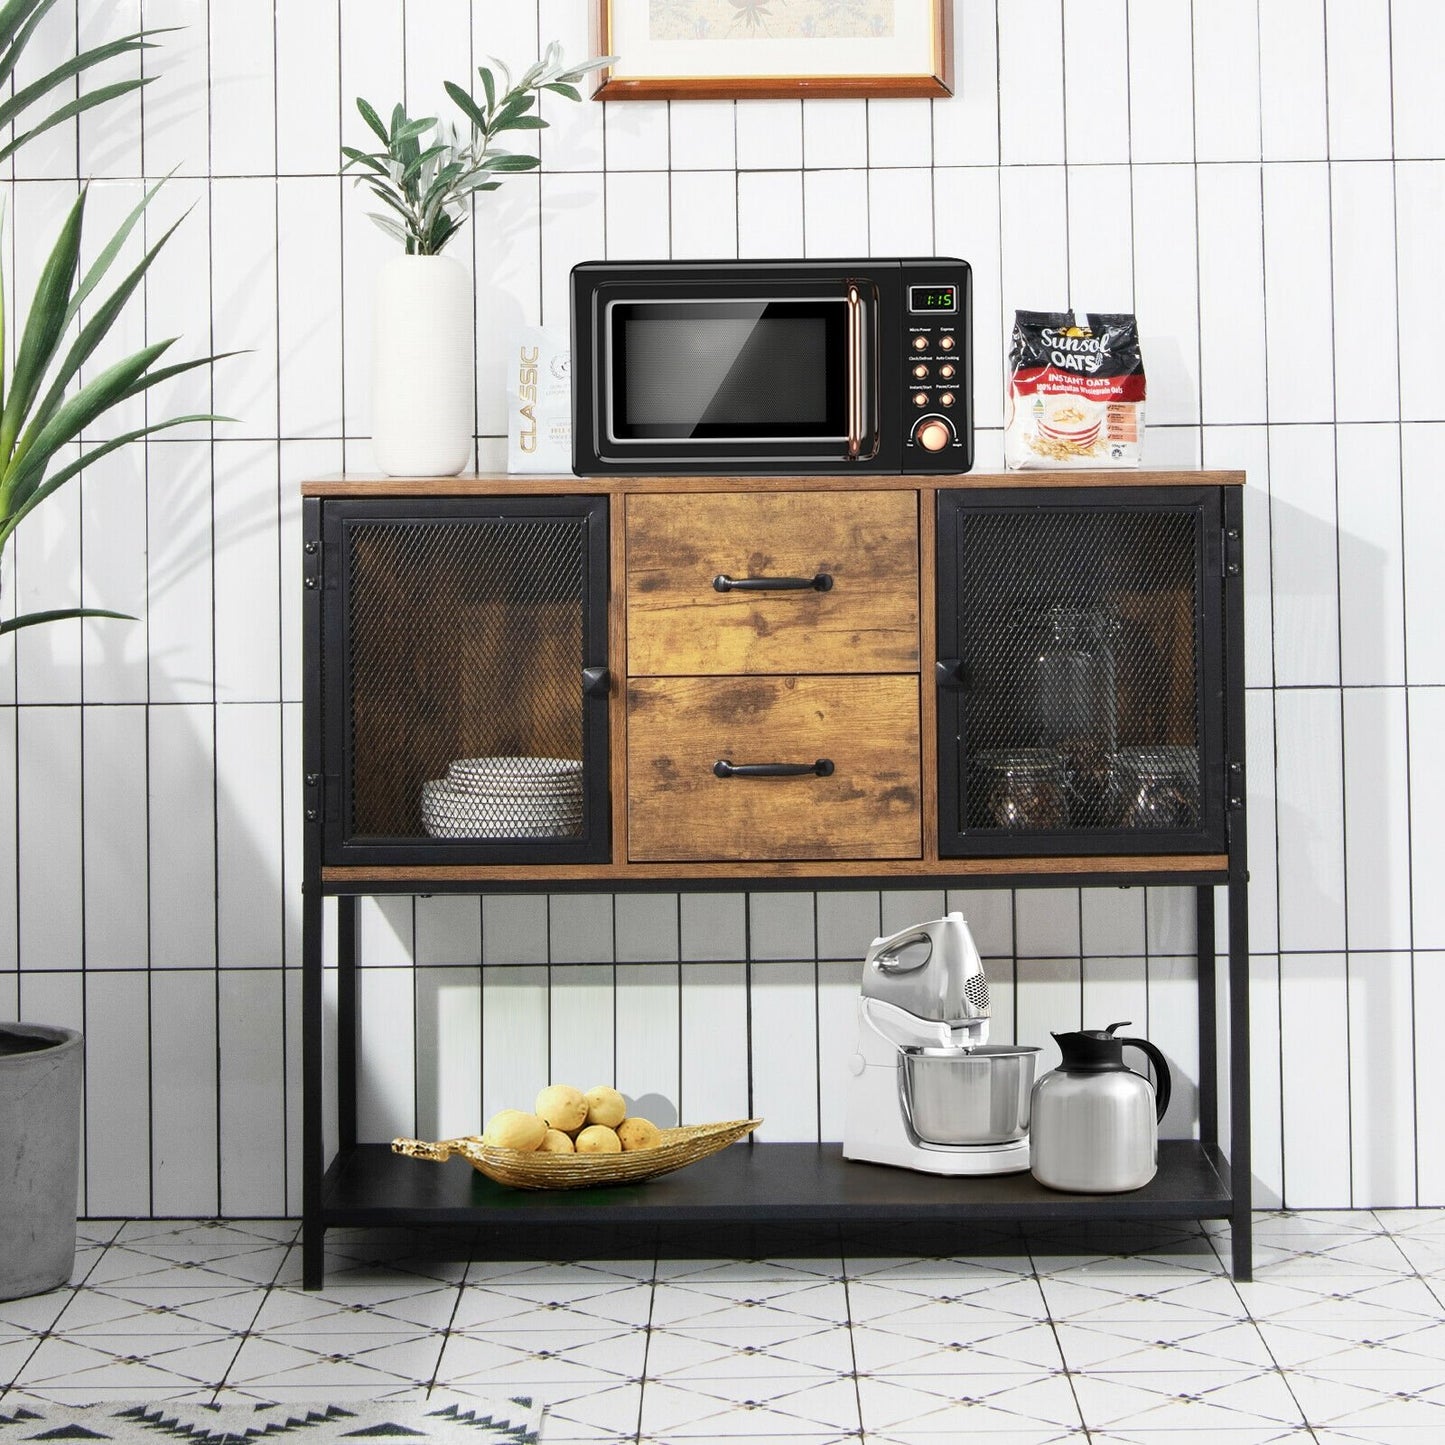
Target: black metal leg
313 1139
346 1020
313 1163
1241 1181
1240 1163
1208 1018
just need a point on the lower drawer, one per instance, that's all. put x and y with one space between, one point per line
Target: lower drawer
861 802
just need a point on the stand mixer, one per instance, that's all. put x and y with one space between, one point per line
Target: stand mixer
925 1089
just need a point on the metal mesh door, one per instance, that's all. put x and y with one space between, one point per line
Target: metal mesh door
465 640
1078 631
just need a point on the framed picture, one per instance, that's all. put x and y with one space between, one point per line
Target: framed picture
749 49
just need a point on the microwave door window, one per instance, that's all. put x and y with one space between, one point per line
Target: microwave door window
735 371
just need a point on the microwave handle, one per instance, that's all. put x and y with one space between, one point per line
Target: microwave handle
857 363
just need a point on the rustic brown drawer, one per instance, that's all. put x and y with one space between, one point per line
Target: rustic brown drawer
680 625
678 729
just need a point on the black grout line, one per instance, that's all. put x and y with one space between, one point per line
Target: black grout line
216 1018
1349 1149
288 1166
1404 619
150 1150
1273 610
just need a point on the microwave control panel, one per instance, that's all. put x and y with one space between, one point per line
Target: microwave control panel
935 369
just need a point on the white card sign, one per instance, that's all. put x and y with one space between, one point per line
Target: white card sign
539 401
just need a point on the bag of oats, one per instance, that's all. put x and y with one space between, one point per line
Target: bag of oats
1076 392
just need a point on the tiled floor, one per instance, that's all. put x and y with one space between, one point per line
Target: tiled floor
1341 1337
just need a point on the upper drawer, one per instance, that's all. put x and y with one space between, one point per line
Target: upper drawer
680 625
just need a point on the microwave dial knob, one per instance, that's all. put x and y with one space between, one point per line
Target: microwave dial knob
934 434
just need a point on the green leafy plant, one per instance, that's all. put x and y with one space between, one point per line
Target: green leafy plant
45 406
426 172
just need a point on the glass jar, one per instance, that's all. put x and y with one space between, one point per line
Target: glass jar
1071 662
1021 788
1154 787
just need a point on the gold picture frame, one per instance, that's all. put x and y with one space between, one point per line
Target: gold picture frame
774 49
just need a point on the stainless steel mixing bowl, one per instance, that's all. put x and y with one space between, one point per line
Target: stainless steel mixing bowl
974 1096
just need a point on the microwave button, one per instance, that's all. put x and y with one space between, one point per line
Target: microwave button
946 371
934 434
920 343
945 343
920 398
946 399
920 371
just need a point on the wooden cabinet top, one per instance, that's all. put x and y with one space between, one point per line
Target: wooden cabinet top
521 484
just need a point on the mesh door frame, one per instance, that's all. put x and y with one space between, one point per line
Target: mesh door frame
1207 504
334 684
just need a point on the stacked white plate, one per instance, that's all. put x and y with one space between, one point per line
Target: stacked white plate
505 797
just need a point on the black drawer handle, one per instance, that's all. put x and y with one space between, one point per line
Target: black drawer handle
823 768
821 583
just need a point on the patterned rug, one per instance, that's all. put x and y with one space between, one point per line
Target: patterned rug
504 1422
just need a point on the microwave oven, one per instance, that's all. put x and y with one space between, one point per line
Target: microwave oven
828 366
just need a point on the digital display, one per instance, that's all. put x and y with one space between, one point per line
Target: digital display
932 298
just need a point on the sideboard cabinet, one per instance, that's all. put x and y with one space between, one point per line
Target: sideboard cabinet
1023 680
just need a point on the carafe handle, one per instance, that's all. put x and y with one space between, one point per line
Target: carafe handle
1162 1083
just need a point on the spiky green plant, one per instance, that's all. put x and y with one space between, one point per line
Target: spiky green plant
19 20
44 407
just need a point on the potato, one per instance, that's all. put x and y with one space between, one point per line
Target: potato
598 1139
563 1107
605 1106
638 1134
512 1129
556 1142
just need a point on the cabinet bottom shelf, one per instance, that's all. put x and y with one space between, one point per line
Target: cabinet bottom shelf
752 1200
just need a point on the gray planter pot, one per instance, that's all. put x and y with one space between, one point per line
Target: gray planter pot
40 1073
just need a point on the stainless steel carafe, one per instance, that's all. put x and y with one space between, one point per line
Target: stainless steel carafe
1094 1123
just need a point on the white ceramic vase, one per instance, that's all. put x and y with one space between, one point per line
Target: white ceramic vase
422 397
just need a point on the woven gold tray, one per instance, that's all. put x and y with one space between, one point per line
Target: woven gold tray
681 1146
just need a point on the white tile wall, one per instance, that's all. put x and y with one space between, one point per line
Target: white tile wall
1382 1078
1261 180
449 1074
1266 1085
1315 1019
251 1039
184 1081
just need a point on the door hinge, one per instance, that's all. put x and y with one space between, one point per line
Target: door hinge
1233 550
314 797
1234 794
311 569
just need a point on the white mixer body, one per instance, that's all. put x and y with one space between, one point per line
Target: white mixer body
923 991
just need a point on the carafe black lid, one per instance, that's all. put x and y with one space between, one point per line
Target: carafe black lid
1092 1050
